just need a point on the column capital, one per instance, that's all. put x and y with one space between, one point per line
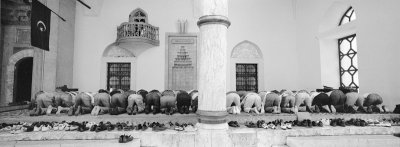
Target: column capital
213 19
212 117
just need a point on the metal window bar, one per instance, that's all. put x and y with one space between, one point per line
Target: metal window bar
118 76
350 53
246 77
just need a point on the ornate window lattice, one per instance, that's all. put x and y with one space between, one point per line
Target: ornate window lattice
349 16
246 77
348 62
119 76
138 16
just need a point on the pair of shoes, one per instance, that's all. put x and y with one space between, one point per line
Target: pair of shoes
71 111
271 125
233 124
113 111
187 111
147 109
159 127
110 126
49 110
125 138
182 110
190 128
260 123
78 110
288 124
129 110
95 110
276 110
250 124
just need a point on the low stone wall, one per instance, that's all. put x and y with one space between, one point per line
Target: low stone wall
247 137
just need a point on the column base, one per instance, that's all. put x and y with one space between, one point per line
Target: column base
212 117
202 126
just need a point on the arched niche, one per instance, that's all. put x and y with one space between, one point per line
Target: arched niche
247 52
116 54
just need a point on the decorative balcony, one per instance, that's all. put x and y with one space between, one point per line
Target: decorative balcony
138 32
137 35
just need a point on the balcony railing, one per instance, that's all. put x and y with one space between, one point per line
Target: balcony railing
135 31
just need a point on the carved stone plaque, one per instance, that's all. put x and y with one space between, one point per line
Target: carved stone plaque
181 62
23 36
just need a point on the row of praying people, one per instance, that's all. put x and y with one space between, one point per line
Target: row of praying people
114 102
286 101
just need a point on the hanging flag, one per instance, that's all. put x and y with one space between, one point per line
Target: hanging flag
40 25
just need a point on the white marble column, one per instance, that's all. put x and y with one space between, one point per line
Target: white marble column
213 24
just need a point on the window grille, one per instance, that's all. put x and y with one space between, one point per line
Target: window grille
119 76
348 62
246 77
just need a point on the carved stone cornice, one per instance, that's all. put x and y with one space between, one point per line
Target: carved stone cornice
213 19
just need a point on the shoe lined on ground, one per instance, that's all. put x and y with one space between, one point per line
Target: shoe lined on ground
159 127
190 128
125 138
260 123
233 124
250 124
271 125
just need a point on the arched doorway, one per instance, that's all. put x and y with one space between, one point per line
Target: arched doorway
23 80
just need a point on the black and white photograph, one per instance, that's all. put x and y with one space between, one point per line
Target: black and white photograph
200 73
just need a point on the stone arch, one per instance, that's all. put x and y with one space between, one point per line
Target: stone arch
116 54
11 69
246 49
113 50
247 52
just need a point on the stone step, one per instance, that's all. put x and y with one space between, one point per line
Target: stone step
71 143
344 141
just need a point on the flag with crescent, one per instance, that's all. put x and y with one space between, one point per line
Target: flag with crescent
40 25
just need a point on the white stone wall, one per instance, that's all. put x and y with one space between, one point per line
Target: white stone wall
267 23
377 32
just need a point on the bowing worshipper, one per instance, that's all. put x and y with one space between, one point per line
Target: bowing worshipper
271 101
102 103
372 103
322 102
119 102
44 102
84 102
168 102
233 103
302 102
63 100
352 103
152 102
183 102
135 104
251 103
287 101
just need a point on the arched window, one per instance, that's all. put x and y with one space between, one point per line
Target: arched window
349 16
348 62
